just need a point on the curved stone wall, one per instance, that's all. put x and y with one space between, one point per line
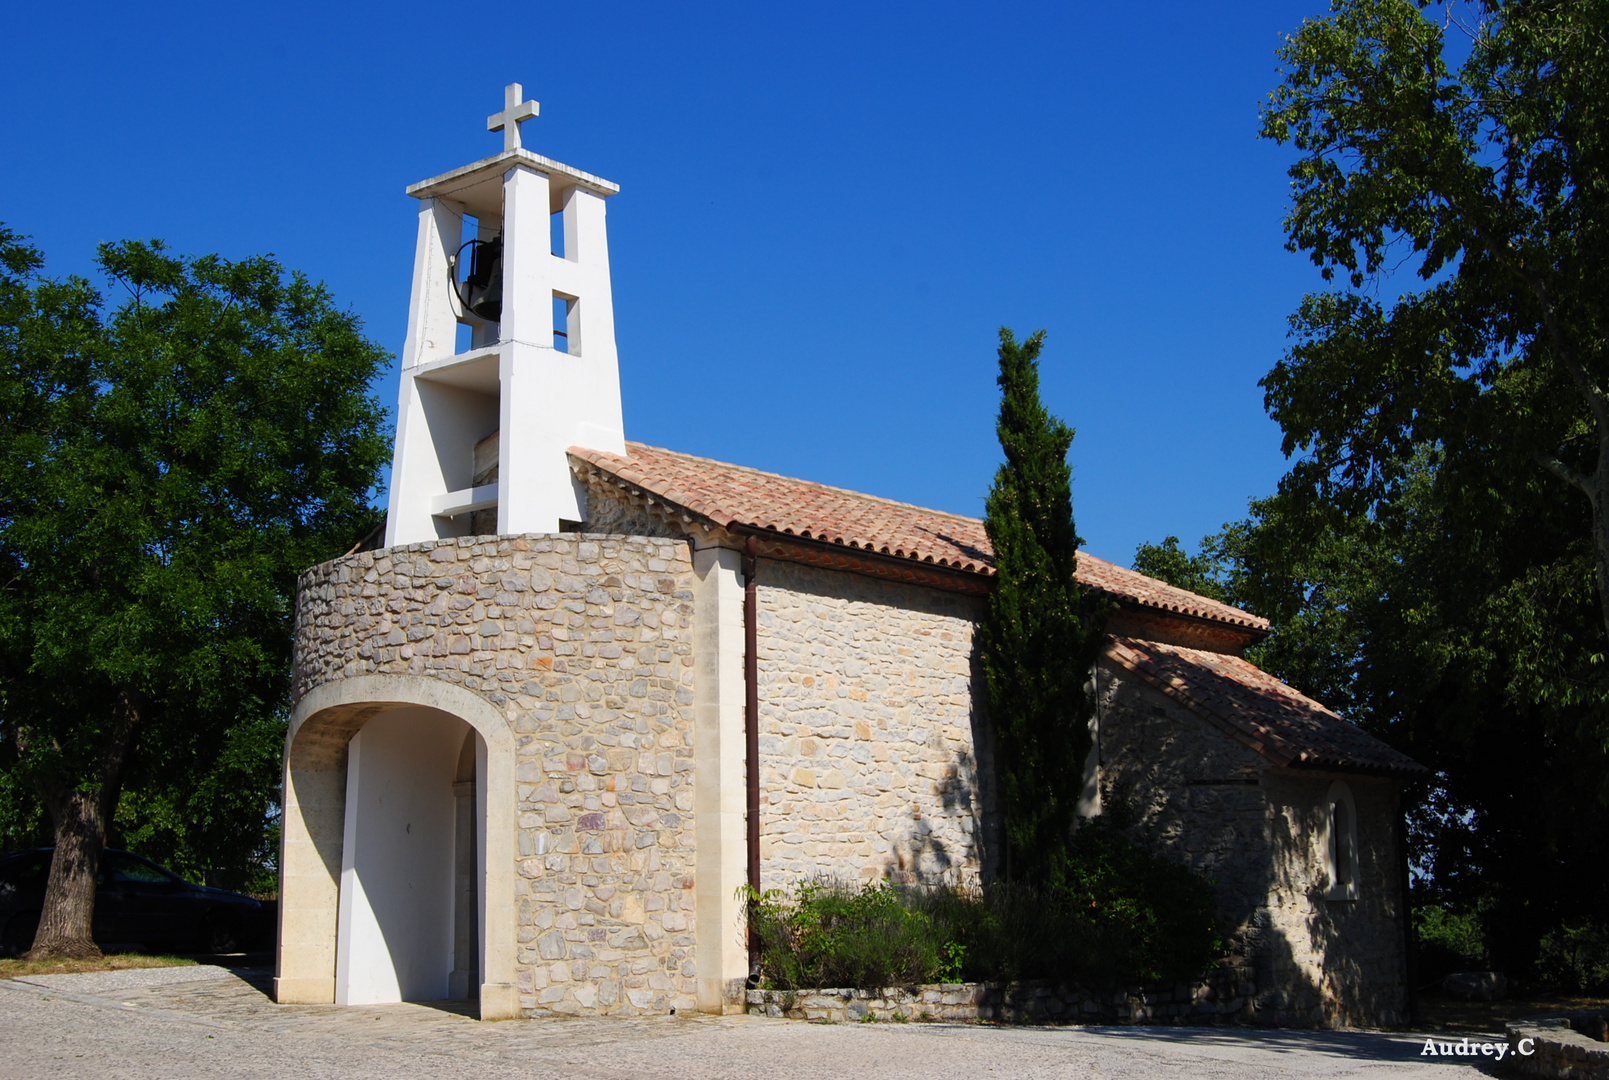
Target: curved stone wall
584 644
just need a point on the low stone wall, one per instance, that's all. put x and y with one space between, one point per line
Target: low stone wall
1024 1002
1557 1049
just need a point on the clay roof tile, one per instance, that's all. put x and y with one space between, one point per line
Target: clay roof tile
735 497
1258 710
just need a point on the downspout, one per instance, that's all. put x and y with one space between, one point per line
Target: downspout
751 735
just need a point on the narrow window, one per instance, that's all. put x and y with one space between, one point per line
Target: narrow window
1339 828
567 324
1341 843
561 324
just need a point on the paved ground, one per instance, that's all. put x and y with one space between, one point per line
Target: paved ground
207 1022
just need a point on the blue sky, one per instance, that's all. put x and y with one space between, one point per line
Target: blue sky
825 211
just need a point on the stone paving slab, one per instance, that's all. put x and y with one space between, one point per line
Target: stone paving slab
225 1026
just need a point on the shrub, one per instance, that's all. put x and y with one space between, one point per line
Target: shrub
1576 958
1449 941
833 934
1125 916
1156 916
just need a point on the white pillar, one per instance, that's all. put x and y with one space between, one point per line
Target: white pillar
599 425
534 488
552 400
416 474
720 866
432 318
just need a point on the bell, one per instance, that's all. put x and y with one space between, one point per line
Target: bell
482 291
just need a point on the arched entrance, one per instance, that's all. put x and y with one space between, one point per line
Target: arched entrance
397 862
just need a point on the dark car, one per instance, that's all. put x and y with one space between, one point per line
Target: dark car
136 903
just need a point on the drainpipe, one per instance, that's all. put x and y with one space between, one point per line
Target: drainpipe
751 733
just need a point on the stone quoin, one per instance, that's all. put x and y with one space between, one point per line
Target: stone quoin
516 771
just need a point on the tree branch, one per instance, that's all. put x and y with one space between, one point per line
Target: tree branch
1568 475
1589 388
1572 363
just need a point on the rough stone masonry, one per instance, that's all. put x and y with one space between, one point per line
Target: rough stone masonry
583 642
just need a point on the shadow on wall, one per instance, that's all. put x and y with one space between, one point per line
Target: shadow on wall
924 858
1355 939
1198 797
968 788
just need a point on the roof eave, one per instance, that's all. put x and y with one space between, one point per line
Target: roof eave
1251 630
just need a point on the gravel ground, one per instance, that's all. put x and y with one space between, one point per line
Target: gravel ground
209 1022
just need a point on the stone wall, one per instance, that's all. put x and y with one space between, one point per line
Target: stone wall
1258 832
1351 951
874 760
1555 1047
609 509
1030 1002
584 643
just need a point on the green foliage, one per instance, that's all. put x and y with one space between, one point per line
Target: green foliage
167 468
1199 573
1125 916
1576 958
1041 635
210 818
1156 915
1430 565
831 934
1449 941
952 962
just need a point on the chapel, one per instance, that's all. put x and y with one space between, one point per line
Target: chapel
585 690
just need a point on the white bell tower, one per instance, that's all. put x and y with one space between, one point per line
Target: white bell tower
482 433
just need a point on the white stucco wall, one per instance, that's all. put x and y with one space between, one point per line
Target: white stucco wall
395 937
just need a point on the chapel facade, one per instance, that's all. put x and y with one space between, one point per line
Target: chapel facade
519 763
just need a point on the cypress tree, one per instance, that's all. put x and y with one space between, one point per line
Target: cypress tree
1042 632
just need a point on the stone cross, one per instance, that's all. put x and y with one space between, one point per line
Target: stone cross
515 112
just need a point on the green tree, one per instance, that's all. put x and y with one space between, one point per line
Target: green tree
1168 562
167 468
1490 183
1437 558
1464 632
1042 633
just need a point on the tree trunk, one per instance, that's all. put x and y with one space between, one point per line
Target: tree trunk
69 912
80 816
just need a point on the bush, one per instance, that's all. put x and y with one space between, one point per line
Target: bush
1576 958
832 934
1449 941
1157 915
1126 916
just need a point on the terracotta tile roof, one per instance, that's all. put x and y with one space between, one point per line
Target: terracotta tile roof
732 496
1258 710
